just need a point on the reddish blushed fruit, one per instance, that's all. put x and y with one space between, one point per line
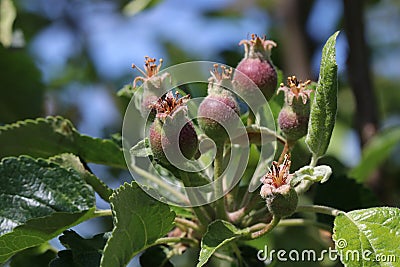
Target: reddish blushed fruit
162 140
171 126
293 124
256 66
145 109
218 113
294 116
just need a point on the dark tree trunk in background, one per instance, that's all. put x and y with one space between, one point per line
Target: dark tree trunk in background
297 46
358 67
366 117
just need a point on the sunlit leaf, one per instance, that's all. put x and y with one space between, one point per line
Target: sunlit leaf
362 237
7 17
46 137
135 6
38 200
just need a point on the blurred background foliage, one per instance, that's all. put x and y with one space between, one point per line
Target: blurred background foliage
70 57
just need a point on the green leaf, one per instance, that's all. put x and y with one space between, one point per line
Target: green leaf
126 91
320 173
141 149
83 252
7 17
219 233
34 257
324 106
46 137
19 98
375 153
39 188
71 161
37 231
49 199
139 220
182 212
374 232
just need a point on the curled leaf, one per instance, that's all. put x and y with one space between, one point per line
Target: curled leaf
141 149
304 177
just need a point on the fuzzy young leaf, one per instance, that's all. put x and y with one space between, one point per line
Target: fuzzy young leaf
139 220
46 137
371 233
320 173
307 175
375 152
141 149
324 106
219 233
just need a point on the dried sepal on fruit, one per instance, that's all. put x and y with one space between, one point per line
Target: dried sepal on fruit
280 196
153 84
169 104
294 116
257 66
295 89
150 79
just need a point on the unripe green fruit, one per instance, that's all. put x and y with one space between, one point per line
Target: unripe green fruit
164 139
283 203
216 113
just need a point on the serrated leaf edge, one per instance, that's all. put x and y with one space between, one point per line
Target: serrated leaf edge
346 214
115 219
241 232
69 127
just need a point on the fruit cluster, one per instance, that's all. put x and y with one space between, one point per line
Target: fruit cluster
219 114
